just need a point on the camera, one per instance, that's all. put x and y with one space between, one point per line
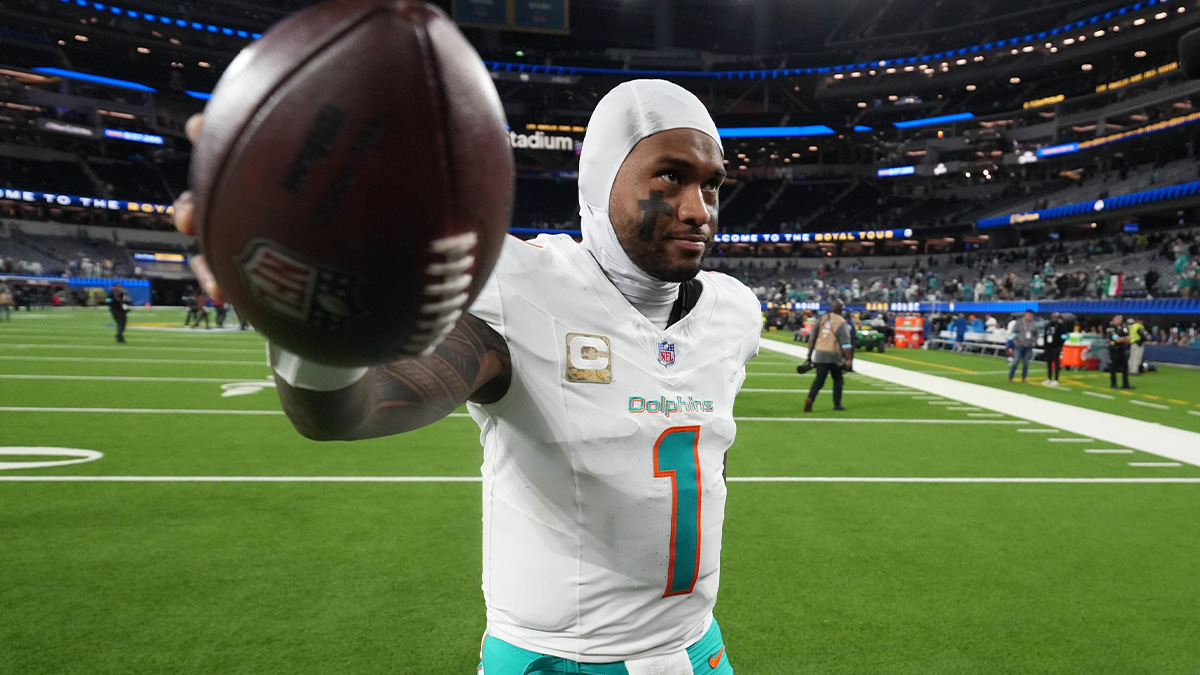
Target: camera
805 367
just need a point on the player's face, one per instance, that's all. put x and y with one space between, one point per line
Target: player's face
663 204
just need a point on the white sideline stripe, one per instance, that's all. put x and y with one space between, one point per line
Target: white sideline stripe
1145 404
1098 395
1038 431
120 378
1070 440
1109 451
1155 464
241 350
477 479
203 362
1156 439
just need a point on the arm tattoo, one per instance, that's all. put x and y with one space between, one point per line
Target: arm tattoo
652 207
472 363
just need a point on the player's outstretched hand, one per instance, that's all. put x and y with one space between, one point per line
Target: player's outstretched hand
186 225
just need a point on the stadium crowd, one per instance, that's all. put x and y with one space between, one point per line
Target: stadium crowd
1124 266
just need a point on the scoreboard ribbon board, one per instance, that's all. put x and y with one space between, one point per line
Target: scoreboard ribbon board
541 16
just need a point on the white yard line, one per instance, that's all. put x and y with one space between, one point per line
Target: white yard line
870 420
477 479
128 347
85 359
122 378
199 411
1156 439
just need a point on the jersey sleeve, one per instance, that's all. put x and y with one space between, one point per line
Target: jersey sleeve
488 305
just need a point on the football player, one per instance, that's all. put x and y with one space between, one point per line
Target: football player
602 376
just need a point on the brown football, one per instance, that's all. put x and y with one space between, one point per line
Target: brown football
353 181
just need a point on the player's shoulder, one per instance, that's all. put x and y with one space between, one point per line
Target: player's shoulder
541 253
731 290
733 298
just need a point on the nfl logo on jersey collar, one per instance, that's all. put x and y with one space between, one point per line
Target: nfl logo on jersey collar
666 353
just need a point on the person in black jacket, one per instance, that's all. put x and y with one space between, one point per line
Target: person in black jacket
118 306
1054 335
1118 352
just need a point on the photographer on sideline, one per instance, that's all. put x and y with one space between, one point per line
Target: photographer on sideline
830 350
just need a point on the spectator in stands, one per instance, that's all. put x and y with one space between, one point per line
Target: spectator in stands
1151 280
830 349
1118 352
1054 336
1037 287
6 301
1024 338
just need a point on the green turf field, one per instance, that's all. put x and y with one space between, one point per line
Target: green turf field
838 576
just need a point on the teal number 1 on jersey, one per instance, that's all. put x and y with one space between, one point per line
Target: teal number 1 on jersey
677 456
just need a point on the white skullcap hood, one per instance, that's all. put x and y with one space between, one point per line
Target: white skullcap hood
627 114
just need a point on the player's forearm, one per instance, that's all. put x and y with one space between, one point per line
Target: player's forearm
472 363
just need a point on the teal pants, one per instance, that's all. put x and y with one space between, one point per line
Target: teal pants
502 658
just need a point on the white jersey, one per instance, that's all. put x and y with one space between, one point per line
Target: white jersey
603 496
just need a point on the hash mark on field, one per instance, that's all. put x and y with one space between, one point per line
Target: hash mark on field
1038 431
1158 406
1194 412
1155 464
1109 451
983 414
1098 395
941 402
1070 440
963 408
